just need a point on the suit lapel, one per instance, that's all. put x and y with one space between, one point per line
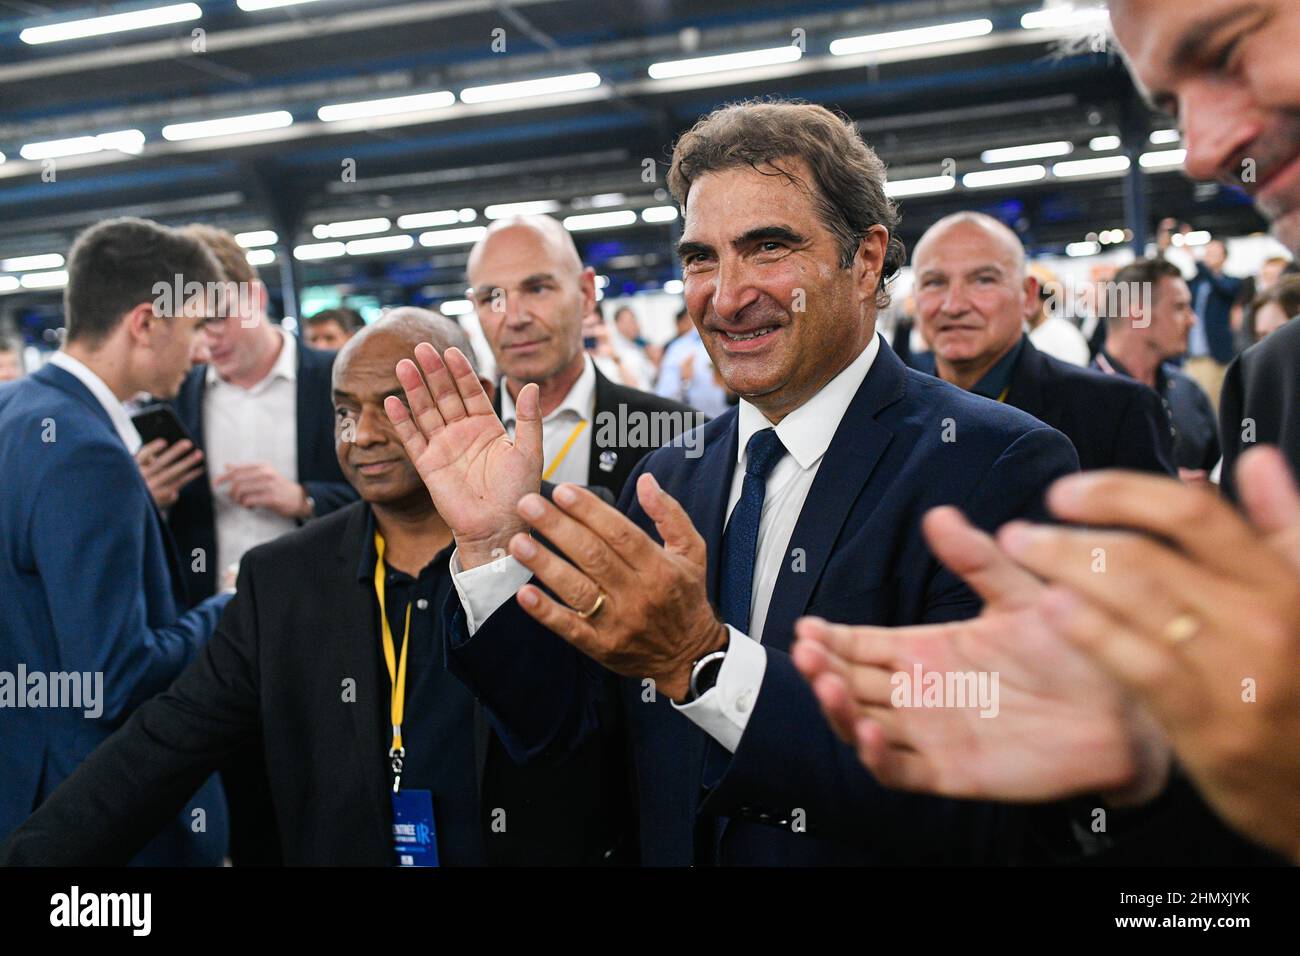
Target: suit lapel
708 502
854 451
1026 391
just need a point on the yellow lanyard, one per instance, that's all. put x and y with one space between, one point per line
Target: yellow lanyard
396 670
1003 396
564 450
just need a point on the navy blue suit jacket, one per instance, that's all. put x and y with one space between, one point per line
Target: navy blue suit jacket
88 583
1114 422
191 518
907 443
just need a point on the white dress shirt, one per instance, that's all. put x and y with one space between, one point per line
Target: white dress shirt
723 712
122 423
579 405
246 425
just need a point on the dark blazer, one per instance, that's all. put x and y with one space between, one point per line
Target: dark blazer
1113 422
865 562
88 583
1217 316
612 474
301 625
192 520
1261 402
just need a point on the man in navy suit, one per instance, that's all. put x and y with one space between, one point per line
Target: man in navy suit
89 582
973 296
805 499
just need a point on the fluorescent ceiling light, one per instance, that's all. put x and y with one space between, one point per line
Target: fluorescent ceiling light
1198 238
875 42
1091 167
386 107
365 247
720 63
522 88
1163 137
1003 177
1015 154
602 281
1102 144
423 220
674 286
114 23
319 250
453 237
919 187
49 260
659 213
1076 249
533 208
250 123
1067 16
9 283
2 157
260 257
259 237
605 199
350 227
269 4
124 140
456 307
600 220
1162 159
44 280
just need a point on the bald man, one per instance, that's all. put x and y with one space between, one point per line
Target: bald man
300 660
531 292
974 296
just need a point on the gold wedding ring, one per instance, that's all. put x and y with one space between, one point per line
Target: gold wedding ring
595 608
1181 629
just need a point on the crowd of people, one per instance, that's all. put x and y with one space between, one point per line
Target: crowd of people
770 593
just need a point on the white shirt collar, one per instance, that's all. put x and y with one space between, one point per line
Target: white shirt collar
580 400
104 395
285 367
807 431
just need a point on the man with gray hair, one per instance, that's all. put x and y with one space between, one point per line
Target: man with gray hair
299 664
973 298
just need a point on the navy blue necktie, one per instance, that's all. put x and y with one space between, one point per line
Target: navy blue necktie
740 541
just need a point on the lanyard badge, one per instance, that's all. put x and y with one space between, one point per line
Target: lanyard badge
396 669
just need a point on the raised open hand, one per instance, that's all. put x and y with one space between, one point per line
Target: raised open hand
474 472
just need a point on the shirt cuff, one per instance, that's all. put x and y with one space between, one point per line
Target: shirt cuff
723 711
484 589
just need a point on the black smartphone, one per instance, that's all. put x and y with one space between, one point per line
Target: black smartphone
159 421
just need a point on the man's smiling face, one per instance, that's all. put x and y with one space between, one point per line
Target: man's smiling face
779 314
1227 70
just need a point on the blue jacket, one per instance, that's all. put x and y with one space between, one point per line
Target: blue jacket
89 583
907 443
191 518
